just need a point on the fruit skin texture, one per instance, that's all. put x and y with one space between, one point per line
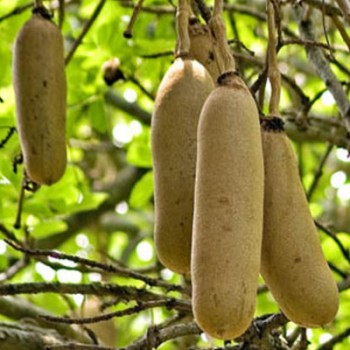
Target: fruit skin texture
227 228
40 91
293 265
202 47
179 100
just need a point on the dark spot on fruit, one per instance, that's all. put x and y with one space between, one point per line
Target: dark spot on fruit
44 83
297 260
223 200
226 228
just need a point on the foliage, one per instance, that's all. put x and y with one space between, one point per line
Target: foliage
102 209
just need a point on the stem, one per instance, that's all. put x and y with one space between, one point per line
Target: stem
335 340
86 28
60 13
322 66
204 10
38 3
222 53
128 31
342 30
319 172
17 223
182 17
345 9
272 63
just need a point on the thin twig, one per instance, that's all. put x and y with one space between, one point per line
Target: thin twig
11 131
17 223
7 233
17 11
141 87
61 13
38 3
324 26
128 31
321 64
204 10
293 336
14 269
308 43
345 8
342 31
104 267
329 345
337 270
84 31
158 54
168 303
76 346
334 237
319 171
303 342
329 8
99 289
273 71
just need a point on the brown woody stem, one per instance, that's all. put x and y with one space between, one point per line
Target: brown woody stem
38 3
223 56
273 71
182 19
128 31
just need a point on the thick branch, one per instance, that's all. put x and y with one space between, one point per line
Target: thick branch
154 337
17 309
26 336
322 67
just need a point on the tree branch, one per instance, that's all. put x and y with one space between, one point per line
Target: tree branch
322 67
117 270
141 306
84 31
123 292
21 336
17 309
329 345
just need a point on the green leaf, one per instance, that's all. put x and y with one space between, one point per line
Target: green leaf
139 151
142 191
97 115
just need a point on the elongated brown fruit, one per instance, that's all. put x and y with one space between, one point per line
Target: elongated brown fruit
40 91
292 264
227 229
180 98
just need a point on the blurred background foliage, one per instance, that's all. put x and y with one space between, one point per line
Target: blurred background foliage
102 209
